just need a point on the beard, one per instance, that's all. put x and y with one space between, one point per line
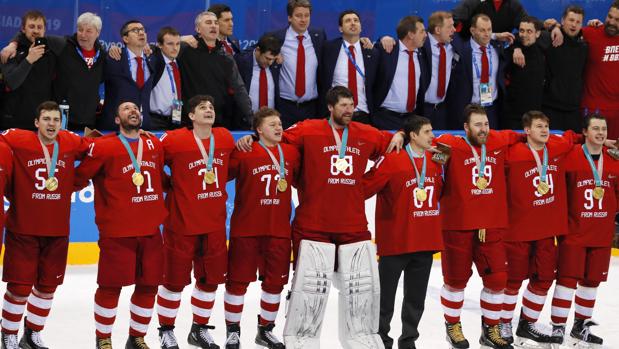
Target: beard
611 30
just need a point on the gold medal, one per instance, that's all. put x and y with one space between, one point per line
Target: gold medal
137 178
543 188
209 177
421 194
482 183
341 164
598 193
282 185
51 183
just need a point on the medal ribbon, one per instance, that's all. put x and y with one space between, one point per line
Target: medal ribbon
421 179
341 143
597 172
136 162
279 167
208 159
50 163
481 164
542 168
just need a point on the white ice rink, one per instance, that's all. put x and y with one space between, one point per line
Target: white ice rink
71 323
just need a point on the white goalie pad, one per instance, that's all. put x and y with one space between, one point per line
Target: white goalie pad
309 294
359 299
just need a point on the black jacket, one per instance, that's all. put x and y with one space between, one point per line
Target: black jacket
506 19
525 85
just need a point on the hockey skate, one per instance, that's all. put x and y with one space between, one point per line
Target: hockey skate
167 339
233 336
491 337
528 336
266 338
200 338
455 337
581 336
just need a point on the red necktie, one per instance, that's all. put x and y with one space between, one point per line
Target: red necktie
412 84
227 47
177 79
139 74
352 75
442 71
485 71
497 4
299 84
263 96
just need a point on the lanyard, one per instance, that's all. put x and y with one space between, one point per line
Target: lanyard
352 60
172 81
79 52
208 159
279 167
542 167
481 164
136 162
341 143
489 54
421 178
50 163
597 172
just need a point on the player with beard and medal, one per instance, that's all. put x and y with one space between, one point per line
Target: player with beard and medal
36 249
195 231
330 216
127 172
408 226
260 226
584 253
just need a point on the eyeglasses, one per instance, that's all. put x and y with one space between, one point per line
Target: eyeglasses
136 31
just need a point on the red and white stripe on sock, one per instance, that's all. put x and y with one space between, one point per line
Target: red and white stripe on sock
202 305
39 305
584 302
510 298
12 312
141 312
106 304
532 303
491 304
168 303
233 307
269 305
452 302
561 304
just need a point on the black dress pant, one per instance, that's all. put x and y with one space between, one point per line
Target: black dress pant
416 267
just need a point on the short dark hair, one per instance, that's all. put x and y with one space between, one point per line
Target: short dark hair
347 12
46 106
575 9
471 109
124 29
336 93
586 122
218 9
437 19
615 4
34 15
262 114
197 100
533 20
269 43
293 4
531 115
479 16
414 124
166 31
406 25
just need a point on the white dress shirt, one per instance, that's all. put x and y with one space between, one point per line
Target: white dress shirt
431 96
493 62
398 92
161 96
340 73
287 77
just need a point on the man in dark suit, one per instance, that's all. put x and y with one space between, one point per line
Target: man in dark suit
398 90
130 78
226 26
166 96
301 50
259 71
346 63
479 77
441 58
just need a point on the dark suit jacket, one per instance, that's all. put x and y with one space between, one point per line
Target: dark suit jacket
120 87
460 89
234 42
426 54
387 64
330 53
245 63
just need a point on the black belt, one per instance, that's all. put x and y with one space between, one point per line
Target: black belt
161 117
297 104
435 106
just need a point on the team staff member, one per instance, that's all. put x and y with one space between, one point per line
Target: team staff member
260 226
36 249
127 173
198 157
584 253
411 184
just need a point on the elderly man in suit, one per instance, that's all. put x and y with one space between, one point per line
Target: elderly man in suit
345 62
